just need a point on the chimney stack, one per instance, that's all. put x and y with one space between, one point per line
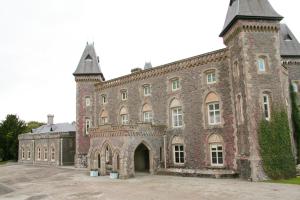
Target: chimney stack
50 119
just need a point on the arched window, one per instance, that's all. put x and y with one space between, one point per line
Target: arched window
266 106
45 153
147 113
104 117
124 116
216 150
213 109
87 125
39 153
261 64
52 154
178 150
108 155
176 114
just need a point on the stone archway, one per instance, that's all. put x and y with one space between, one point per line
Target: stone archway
142 159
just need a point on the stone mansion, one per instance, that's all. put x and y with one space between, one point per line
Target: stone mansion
196 116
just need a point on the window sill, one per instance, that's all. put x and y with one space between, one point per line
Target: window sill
216 167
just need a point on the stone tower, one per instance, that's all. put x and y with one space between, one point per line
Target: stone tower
88 73
251 34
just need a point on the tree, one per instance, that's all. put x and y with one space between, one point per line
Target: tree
32 125
10 128
296 120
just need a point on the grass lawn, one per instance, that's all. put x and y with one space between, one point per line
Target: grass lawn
295 181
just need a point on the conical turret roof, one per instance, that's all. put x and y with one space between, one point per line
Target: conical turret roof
249 9
89 62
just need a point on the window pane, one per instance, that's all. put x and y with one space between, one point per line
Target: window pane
217 106
220 160
182 160
219 148
181 148
214 160
176 148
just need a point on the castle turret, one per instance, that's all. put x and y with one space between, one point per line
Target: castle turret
251 34
88 73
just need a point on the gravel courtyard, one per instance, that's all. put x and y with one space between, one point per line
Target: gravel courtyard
33 183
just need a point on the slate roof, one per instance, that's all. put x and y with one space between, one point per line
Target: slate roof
289 45
249 9
89 63
55 128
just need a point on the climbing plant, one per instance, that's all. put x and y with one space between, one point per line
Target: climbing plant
275 146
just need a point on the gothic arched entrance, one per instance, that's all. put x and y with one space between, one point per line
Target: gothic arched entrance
142 159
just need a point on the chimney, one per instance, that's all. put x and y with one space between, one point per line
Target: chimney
50 119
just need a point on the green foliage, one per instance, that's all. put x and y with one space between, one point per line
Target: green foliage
296 120
295 181
32 125
275 147
10 128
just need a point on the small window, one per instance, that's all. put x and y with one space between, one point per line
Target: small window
261 65
147 90
216 155
211 77
214 113
104 98
107 155
124 119
45 154
124 95
52 154
175 84
178 150
266 107
88 101
39 153
87 126
177 117
103 120
147 116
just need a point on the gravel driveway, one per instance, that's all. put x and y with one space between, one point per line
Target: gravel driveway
33 183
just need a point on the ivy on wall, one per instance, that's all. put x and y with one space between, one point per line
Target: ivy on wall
275 146
296 120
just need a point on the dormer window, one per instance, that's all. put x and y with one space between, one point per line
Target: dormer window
287 37
88 57
124 95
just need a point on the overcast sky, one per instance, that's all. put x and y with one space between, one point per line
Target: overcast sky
41 43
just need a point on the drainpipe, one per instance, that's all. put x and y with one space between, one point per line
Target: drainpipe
61 151
165 151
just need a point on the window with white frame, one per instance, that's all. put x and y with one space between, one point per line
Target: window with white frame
211 77
147 116
104 120
214 116
87 101
104 99
87 126
147 90
52 153
177 117
45 154
124 119
178 150
216 155
39 153
266 106
175 84
261 62
124 95
23 153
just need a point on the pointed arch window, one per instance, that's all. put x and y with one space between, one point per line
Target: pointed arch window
28 154
45 153
87 125
176 114
124 116
213 109
147 113
52 154
39 153
23 153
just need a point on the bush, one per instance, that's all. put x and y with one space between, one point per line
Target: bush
275 147
296 121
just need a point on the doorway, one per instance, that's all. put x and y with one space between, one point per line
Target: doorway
141 159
